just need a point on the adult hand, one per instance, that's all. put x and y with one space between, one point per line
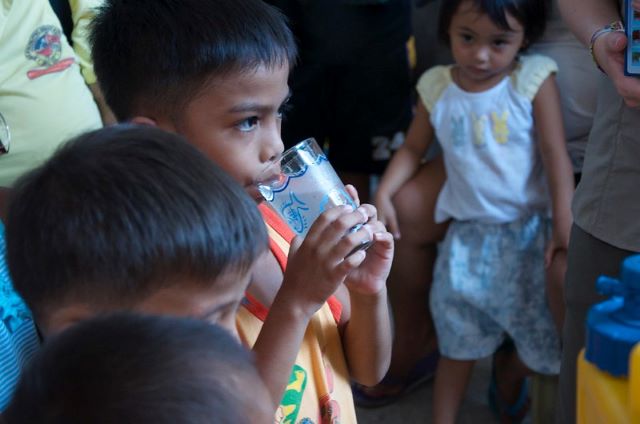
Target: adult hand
609 51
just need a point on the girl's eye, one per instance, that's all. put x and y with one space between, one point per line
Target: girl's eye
500 43
248 124
284 110
466 38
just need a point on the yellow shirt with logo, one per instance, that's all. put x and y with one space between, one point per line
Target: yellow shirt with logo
319 389
44 98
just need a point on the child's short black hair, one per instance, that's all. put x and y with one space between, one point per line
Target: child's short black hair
118 213
158 54
127 368
532 15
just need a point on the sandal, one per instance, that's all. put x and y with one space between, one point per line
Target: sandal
508 413
391 388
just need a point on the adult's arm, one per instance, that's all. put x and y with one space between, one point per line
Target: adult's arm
584 17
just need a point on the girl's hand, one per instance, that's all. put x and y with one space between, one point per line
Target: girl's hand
609 50
387 214
559 243
319 264
636 5
370 277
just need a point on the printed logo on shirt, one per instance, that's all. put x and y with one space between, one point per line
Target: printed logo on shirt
290 404
45 48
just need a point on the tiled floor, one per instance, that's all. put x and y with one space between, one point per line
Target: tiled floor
417 406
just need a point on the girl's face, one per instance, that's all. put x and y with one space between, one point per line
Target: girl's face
484 53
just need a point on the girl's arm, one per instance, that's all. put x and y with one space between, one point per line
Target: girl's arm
403 166
553 150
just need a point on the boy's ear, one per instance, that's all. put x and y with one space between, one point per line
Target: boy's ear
144 120
64 318
163 124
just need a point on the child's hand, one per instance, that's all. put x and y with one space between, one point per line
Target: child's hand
371 276
387 214
319 264
559 243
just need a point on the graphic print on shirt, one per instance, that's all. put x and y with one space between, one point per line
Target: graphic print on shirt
45 48
458 133
479 127
290 404
500 129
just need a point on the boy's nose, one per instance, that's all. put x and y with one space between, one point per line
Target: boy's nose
272 145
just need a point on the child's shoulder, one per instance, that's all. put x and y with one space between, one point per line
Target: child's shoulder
432 83
530 72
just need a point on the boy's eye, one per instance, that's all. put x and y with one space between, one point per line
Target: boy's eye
248 124
284 110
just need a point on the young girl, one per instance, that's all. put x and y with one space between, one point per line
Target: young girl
497 116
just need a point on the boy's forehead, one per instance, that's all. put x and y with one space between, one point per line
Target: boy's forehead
264 85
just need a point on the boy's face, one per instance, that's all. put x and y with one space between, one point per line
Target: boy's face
236 122
216 303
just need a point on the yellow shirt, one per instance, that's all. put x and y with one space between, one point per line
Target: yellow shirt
43 96
319 389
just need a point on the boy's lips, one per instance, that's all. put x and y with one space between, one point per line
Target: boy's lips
253 192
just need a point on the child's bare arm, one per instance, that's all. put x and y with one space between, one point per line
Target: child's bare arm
553 151
403 166
314 271
366 329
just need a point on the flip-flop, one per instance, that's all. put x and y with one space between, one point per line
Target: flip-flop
391 388
506 413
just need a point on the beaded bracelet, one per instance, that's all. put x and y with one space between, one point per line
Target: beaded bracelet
616 26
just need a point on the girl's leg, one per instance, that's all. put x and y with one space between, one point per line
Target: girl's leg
452 378
410 280
510 375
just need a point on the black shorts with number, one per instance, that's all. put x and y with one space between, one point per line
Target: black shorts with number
352 88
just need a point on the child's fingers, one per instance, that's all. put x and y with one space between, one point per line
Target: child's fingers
334 226
295 245
393 226
351 262
353 193
351 241
370 211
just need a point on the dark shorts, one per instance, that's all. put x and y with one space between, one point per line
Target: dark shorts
359 110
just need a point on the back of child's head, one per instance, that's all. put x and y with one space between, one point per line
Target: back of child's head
119 213
141 369
531 14
157 55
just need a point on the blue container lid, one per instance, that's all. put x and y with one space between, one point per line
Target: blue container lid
613 326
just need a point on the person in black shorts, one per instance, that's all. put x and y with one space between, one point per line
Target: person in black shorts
351 88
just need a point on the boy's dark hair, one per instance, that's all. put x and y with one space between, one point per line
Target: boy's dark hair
532 15
158 54
128 368
118 213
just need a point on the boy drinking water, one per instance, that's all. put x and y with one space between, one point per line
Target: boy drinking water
216 72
